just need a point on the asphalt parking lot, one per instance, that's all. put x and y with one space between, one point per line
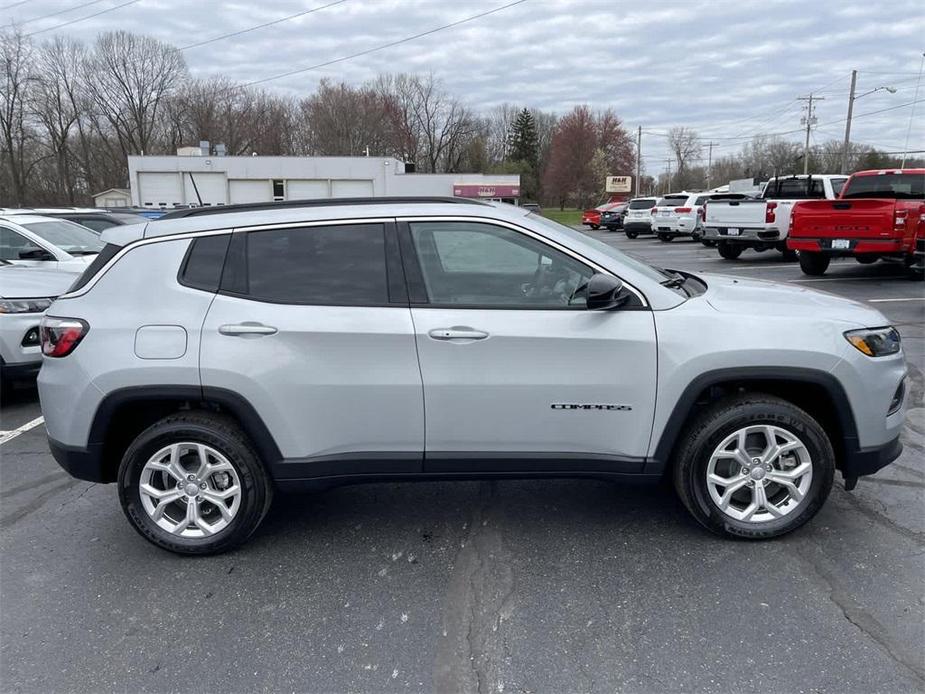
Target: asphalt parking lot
508 586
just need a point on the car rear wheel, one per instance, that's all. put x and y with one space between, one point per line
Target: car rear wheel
595 226
665 238
867 258
632 234
729 251
192 484
754 466
814 263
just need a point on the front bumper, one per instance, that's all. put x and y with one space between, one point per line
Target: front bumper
20 357
745 235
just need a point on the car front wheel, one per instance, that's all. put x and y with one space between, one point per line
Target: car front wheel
754 466
192 484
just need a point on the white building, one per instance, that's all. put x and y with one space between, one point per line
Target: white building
114 197
186 179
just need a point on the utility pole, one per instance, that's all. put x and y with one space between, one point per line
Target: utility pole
638 158
710 146
668 183
809 120
844 156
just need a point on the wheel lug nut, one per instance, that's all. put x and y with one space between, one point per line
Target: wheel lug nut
202 486
191 477
744 470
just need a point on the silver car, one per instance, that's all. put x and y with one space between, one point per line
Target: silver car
25 293
212 359
46 242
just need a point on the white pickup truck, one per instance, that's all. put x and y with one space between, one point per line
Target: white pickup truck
763 223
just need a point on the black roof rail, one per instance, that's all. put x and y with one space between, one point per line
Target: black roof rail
319 202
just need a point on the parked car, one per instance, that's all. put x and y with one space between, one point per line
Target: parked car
879 214
592 218
96 220
46 242
25 293
638 218
612 219
762 223
302 350
665 215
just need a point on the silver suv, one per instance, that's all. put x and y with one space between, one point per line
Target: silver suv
205 361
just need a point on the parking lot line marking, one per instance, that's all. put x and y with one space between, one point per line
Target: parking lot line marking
848 279
7 436
884 301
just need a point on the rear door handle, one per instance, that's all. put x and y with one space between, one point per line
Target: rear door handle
247 328
457 332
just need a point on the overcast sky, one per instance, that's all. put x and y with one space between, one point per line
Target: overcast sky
727 69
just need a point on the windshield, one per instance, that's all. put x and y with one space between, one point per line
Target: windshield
646 204
69 237
652 272
898 186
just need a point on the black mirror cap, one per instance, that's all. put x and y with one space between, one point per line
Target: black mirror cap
606 292
36 254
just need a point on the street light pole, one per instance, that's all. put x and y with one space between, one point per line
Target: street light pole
844 157
638 157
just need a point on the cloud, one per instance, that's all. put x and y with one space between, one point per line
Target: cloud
728 70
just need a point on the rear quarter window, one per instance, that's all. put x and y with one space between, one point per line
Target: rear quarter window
104 256
204 262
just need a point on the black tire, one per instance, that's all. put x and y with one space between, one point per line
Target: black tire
222 434
867 258
729 251
789 255
595 227
665 238
708 243
632 234
814 263
721 419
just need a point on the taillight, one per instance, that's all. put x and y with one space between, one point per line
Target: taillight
703 212
769 215
60 336
652 211
900 222
682 210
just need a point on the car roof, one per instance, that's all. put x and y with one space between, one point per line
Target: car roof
24 218
311 211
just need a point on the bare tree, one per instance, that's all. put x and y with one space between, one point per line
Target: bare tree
129 78
58 103
684 144
17 81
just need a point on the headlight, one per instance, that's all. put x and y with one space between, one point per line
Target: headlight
24 305
875 342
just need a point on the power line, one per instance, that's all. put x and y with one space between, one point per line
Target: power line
80 19
383 46
14 4
55 14
260 26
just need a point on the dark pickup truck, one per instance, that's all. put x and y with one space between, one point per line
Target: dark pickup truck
879 214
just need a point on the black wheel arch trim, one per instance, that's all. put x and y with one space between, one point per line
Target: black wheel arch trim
854 460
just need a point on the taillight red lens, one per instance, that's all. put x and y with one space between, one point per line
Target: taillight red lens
900 222
682 210
652 211
60 336
769 215
703 212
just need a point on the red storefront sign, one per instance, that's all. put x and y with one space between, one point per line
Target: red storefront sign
478 190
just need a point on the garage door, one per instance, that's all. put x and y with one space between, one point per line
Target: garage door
249 191
307 189
351 189
211 188
159 189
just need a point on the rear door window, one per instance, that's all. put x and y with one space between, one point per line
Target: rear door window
342 265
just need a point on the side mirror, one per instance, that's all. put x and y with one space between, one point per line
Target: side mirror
36 254
605 293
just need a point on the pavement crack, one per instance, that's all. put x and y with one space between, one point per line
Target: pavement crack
863 621
883 519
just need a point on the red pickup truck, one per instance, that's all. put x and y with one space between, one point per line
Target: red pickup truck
879 214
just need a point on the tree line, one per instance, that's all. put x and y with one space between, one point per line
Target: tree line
71 113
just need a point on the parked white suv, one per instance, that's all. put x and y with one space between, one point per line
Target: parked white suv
297 346
638 218
46 242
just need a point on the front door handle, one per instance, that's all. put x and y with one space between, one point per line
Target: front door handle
457 332
247 328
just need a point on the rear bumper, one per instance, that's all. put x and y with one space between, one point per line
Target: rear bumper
82 463
638 227
745 235
855 246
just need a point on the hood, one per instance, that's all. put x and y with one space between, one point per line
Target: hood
18 282
762 298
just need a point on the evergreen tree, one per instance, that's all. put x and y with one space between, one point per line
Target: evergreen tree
524 142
